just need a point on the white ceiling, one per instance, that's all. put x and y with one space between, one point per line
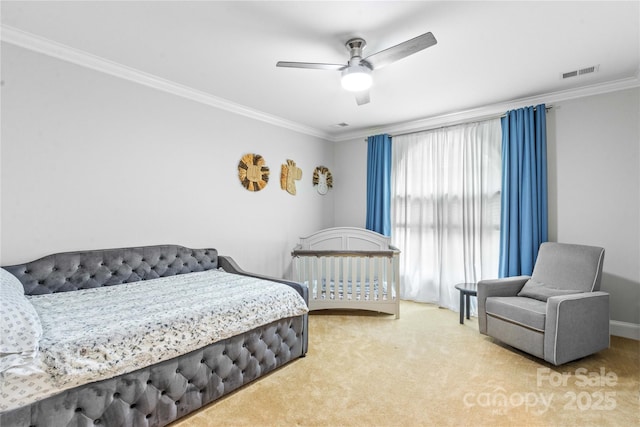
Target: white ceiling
488 53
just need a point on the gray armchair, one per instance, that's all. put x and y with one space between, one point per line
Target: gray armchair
558 314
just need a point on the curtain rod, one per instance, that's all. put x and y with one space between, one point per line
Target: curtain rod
477 120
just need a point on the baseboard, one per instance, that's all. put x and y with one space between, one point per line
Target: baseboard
624 329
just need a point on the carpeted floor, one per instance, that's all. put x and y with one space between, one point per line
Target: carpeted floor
425 369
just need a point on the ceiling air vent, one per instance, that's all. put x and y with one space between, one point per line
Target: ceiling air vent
342 125
587 70
581 72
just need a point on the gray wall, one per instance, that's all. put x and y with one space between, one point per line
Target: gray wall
350 158
594 187
594 176
93 161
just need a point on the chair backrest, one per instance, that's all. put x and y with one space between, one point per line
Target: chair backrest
568 266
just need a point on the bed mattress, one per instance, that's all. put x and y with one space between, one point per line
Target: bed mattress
95 334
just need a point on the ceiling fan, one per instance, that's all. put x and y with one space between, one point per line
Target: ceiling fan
356 74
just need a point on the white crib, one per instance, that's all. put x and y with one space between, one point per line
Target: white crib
349 268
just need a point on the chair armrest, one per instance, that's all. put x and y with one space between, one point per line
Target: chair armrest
576 325
506 287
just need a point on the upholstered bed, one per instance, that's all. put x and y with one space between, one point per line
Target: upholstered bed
182 328
349 268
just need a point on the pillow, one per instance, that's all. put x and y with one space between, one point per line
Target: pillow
542 291
20 328
10 281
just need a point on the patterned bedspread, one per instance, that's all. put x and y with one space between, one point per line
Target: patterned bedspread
94 334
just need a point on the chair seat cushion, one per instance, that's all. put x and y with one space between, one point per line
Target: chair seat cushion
543 291
527 312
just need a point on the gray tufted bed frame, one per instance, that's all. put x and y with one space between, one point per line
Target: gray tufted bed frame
160 393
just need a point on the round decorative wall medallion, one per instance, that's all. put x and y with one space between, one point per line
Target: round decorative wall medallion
252 172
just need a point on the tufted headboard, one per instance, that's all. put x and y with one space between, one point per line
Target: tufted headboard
71 271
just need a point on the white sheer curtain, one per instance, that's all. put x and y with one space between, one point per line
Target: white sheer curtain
445 209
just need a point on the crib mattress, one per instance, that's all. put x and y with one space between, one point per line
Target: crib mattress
374 291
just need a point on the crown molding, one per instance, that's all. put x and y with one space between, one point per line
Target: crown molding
493 110
79 57
48 47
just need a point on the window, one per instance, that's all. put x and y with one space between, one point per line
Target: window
445 209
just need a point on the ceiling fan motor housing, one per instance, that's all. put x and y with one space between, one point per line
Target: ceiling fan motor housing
355 47
356 77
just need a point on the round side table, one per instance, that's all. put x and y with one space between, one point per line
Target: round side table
467 290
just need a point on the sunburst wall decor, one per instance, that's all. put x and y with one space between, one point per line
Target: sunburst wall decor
253 172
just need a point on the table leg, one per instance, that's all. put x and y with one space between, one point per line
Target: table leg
461 308
468 305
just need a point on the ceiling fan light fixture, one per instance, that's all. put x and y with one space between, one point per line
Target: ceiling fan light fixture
356 78
356 75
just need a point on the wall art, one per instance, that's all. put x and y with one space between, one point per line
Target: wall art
322 179
289 174
253 172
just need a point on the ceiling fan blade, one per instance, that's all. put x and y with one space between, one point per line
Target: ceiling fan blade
362 97
399 51
334 67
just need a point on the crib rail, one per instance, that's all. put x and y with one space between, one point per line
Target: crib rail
324 253
351 279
